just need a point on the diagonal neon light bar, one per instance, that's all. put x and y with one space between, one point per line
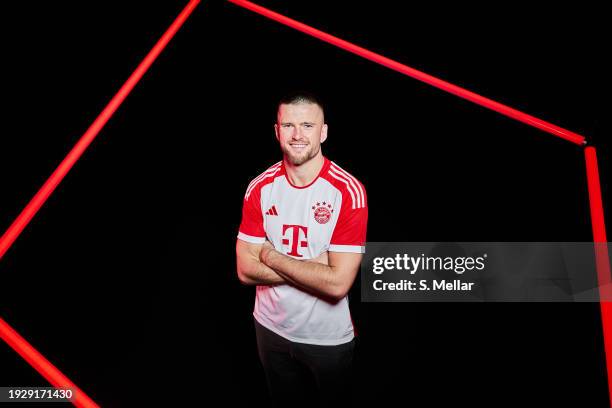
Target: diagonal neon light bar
43 366
416 74
594 186
24 218
7 333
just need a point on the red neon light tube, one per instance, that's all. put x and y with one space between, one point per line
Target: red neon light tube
602 260
595 201
411 72
43 366
60 172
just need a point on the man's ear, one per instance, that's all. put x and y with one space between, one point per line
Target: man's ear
324 132
276 132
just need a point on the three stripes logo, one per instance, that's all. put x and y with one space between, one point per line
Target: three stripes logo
352 185
271 172
272 211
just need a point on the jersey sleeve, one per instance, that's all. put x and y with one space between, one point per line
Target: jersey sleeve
350 232
252 227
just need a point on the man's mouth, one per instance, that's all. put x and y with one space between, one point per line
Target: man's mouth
298 146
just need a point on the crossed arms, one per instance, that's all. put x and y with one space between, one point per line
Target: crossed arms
330 275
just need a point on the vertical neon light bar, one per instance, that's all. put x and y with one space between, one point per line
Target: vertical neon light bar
602 260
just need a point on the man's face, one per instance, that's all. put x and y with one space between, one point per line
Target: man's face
300 131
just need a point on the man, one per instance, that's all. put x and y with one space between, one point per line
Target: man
301 241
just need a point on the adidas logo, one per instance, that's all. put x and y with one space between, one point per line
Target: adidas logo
272 211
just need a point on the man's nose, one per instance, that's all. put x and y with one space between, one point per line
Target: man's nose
297 133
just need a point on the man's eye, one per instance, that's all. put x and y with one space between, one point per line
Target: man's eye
308 125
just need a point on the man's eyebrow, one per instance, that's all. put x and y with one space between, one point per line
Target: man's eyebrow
307 123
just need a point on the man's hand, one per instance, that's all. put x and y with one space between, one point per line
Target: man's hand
265 250
251 270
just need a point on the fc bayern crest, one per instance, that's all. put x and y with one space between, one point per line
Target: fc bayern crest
322 212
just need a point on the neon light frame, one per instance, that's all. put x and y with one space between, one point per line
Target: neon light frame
57 379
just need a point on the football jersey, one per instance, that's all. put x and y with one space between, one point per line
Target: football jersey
329 214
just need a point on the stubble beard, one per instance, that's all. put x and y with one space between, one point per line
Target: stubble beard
299 160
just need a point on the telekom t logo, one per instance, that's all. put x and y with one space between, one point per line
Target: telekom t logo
294 241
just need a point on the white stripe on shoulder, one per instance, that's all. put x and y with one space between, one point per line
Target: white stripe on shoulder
267 176
353 180
352 184
271 168
348 187
351 177
271 172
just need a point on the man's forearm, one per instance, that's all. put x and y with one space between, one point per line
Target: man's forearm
251 271
259 273
312 276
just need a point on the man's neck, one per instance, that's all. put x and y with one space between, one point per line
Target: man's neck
305 173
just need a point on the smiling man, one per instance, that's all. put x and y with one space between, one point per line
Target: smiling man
301 241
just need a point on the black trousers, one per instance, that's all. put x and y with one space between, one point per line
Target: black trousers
301 374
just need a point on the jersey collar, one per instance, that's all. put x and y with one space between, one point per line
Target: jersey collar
324 168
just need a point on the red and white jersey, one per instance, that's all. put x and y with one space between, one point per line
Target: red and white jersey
329 214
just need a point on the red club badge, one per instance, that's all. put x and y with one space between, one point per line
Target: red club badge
322 212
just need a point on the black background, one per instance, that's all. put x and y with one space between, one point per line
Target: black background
126 277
